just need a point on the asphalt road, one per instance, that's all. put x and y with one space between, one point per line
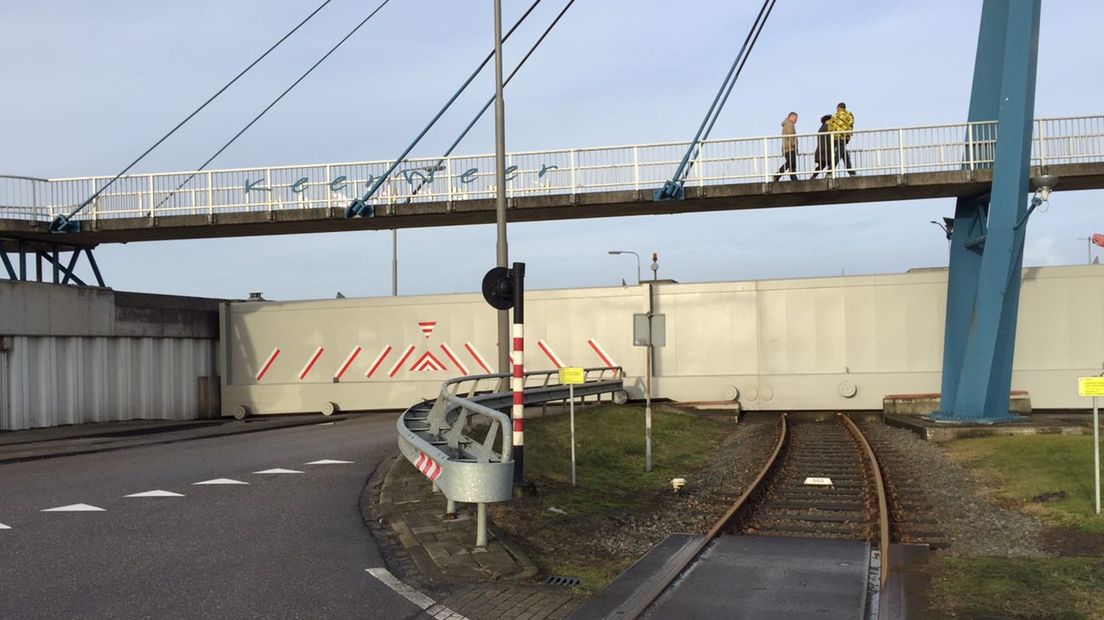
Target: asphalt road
281 546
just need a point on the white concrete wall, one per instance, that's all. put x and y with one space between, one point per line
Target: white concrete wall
783 344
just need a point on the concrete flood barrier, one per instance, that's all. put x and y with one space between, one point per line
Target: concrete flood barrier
839 343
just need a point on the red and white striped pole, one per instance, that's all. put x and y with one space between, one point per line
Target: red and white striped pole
517 379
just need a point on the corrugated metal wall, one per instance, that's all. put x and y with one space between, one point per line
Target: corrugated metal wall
52 380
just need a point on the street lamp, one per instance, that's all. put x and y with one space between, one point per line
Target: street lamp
616 252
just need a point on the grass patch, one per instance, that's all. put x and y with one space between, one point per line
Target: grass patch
1028 466
610 481
1017 588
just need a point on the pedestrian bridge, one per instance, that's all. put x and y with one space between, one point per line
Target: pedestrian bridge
903 163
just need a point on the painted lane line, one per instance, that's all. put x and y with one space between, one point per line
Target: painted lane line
425 603
310 363
75 508
157 493
478 358
221 481
278 470
606 359
549 353
348 362
398 365
452 356
268 363
4 527
379 360
329 462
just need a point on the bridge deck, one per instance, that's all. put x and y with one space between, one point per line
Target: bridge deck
548 207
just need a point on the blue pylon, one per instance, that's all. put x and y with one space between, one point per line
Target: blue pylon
983 286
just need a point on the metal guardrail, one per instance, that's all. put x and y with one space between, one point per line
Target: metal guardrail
898 151
433 435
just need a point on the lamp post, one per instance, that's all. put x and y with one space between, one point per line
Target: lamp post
947 227
617 252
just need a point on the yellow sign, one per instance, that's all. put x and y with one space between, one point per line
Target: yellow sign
1090 386
572 375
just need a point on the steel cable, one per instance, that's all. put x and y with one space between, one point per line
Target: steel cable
358 205
62 220
274 102
673 188
490 102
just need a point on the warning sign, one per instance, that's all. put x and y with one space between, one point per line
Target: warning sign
1090 386
569 376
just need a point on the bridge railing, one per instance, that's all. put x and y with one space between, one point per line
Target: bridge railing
894 151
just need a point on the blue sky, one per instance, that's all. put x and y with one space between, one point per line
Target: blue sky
88 86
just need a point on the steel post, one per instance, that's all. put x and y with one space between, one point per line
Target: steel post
517 377
500 187
648 388
481 525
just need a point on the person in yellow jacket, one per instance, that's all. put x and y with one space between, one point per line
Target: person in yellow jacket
841 125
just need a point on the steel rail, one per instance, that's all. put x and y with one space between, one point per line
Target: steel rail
637 605
879 487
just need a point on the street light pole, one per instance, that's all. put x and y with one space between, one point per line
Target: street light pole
1088 247
394 262
617 252
500 186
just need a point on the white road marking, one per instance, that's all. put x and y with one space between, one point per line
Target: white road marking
221 481
157 493
278 470
75 508
329 462
429 605
4 527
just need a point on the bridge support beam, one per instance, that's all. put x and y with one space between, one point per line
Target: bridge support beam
983 287
62 272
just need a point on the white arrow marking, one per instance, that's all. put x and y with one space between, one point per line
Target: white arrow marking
75 508
221 481
329 462
157 493
278 470
4 527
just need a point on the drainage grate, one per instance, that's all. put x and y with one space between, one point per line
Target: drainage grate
556 580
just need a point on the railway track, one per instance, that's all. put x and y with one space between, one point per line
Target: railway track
822 480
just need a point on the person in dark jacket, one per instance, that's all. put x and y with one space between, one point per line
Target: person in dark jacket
823 149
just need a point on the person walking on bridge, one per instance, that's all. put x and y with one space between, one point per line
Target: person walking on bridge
823 148
841 125
789 147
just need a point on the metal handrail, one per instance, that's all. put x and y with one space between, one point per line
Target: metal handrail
899 150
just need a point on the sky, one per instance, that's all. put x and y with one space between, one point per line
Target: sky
89 86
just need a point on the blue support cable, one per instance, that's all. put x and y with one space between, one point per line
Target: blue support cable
672 189
359 207
490 102
63 223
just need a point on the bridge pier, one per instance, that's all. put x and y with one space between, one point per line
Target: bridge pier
986 260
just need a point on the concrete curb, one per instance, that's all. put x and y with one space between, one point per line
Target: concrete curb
62 451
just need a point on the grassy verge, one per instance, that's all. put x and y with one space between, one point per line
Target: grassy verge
558 526
1017 588
1029 466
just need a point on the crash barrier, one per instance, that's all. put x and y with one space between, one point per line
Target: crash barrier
435 435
